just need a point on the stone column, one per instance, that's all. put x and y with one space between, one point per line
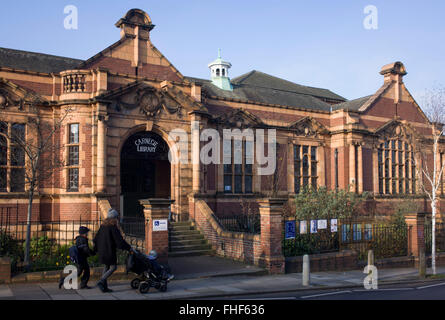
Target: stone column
352 176
416 235
195 120
156 212
321 170
101 153
360 168
271 212
375 170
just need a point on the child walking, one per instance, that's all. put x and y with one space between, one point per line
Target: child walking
81 260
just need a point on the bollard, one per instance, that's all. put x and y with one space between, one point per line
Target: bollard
370 258
422 263
306 271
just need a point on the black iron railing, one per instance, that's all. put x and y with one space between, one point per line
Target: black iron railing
385 240
133 227
241 223
50 242
440 237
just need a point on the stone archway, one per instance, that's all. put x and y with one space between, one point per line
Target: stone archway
145 171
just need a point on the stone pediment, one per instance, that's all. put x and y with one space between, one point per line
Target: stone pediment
151 101
308 127
14 96
239 118
396 129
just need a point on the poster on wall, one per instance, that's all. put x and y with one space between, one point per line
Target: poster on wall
303 227
322 224
290 229
334 227
313 226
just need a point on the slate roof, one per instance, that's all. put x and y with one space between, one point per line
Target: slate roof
37 62
254 86
260 87
353 105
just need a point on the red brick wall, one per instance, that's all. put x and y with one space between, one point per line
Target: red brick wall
231 246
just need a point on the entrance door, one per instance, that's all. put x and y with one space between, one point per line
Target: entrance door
145 171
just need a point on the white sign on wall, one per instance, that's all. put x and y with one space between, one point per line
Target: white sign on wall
334 225
303 227
322 224
160 225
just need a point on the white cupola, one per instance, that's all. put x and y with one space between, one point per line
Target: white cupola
219 72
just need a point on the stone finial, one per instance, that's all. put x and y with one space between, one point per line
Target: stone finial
394 71
135 23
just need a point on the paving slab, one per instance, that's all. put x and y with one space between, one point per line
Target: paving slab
5 292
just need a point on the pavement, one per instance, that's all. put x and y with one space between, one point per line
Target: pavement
211 286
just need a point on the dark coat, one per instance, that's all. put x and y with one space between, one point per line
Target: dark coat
108 239
84 250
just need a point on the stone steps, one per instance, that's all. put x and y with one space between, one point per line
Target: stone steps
185 240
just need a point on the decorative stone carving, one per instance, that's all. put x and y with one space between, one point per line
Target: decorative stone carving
397 130
308 127
150 102
7 100
239 119
3 101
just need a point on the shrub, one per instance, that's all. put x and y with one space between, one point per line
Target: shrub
322 203
9 247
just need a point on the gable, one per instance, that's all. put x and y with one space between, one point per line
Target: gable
239 118
140 97
134 54
308 127
14 96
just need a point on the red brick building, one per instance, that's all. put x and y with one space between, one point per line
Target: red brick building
126 100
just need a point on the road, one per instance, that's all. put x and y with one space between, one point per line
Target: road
419 291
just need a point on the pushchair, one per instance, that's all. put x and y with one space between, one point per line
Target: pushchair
140 264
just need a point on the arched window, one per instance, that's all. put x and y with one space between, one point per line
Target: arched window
223 72
396 168
217 72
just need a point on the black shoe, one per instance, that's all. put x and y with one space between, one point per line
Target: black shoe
61 281
101 286
85 287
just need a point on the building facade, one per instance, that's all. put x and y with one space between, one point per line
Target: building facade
117 110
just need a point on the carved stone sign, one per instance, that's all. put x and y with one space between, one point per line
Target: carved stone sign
146 144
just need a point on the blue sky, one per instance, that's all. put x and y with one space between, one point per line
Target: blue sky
316 43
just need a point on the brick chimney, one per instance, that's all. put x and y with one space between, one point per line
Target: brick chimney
394 72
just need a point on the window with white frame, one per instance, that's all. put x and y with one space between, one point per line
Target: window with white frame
305 167
238 166
396 168
12 157
73 157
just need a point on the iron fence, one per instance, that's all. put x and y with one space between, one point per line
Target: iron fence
385 240
323 241
440 237
241 223
50 242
